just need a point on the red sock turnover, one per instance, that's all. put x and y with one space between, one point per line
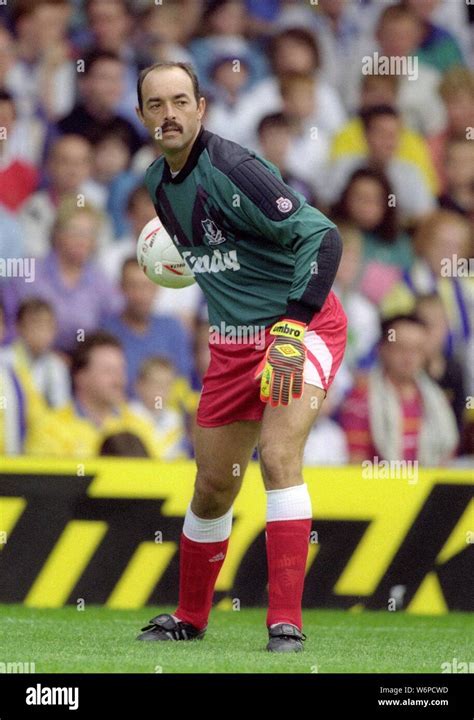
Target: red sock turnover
203 549
287 551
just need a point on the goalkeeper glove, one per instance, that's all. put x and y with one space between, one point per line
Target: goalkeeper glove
281 370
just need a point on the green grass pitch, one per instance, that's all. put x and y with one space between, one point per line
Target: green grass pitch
99 640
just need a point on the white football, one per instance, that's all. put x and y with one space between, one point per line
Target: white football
159 258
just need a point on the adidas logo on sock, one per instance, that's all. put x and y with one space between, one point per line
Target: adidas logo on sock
216 558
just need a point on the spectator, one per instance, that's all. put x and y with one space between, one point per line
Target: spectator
11 237
111 172
154 390
68 172
111 30
274 138
382 128
98 409
308 151
230 83
20 405
18 178
459 169
95 114
293 50
456 90
68 277
43 76
142 334
397 412
7 59
326 443
139 211
338 27
32 352
368 202
164 30
446 371
438 47
398 34
363 318
412 147
221 31
440 241
123 444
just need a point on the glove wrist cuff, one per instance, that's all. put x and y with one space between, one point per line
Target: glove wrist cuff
289 329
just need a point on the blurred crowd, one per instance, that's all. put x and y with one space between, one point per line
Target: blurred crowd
367 109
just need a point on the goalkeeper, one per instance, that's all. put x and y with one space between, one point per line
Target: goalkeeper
266 261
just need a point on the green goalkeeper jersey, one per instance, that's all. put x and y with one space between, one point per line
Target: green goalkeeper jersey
258 250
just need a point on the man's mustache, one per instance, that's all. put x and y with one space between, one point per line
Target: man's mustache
171 126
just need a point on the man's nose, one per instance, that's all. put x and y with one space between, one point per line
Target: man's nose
169 112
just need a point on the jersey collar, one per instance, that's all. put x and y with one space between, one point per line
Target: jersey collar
190 164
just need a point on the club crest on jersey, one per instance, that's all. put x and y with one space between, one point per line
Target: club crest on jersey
212 233
284 205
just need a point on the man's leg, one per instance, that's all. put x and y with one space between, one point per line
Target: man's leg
222 456
282 440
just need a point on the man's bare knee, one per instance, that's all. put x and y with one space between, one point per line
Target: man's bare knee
211 498
280 463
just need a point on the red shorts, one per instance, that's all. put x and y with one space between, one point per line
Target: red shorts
230 391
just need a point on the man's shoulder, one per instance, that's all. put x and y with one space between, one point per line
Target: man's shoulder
225 154
155 169
257 178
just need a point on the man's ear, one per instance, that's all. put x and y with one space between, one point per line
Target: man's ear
139 115
201 107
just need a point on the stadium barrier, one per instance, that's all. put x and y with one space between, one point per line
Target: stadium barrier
107 531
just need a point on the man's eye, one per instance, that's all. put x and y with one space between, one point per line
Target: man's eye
181 102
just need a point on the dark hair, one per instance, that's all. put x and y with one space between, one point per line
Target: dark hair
388 228
123 444
22 8
368 115
396 12
386 324
274 120
82 355
96 55
32 305
187 67
300 35
5 96
124 3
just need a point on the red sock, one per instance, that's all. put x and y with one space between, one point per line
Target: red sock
287 550
199 566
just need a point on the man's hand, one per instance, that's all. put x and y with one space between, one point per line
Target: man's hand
281 370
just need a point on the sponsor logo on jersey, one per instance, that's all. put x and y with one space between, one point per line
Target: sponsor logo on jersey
284 205
217 262
212 233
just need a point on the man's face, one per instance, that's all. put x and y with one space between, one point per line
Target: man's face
7 117
70 164
170 111
400 37
38 331
103 86
109 23
383 137
404 356
104 378
138 291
